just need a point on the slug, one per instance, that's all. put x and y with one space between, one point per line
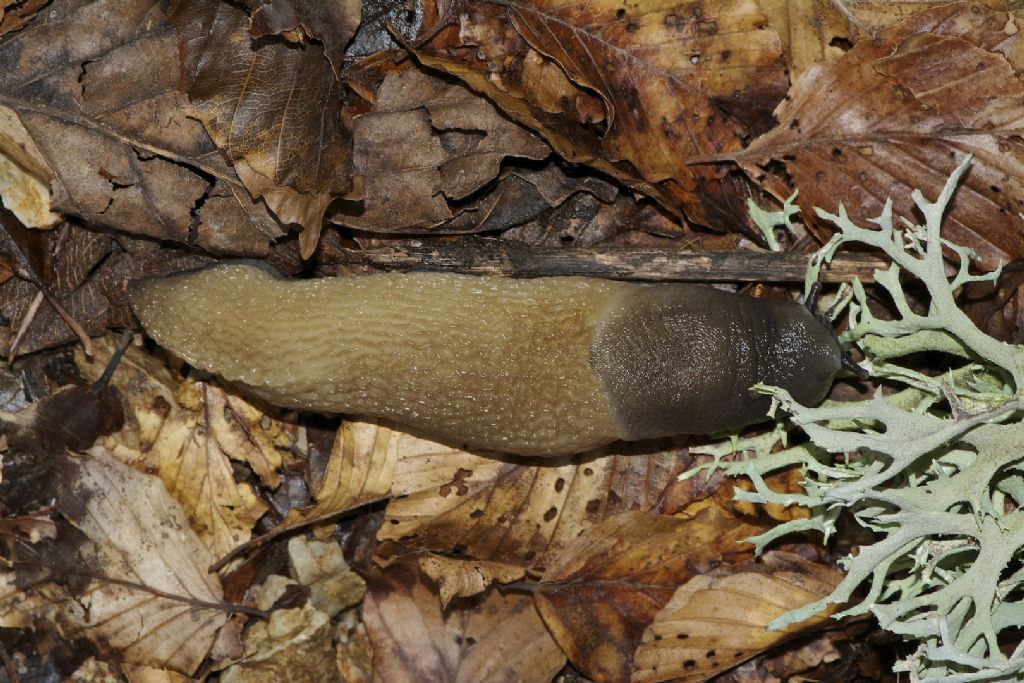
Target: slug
538 367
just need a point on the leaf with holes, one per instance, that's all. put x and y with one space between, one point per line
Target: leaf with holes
820 31
601 592
514 512
716 620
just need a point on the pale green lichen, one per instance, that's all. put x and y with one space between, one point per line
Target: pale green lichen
933 465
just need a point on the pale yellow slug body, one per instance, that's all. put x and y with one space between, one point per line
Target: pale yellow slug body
486 361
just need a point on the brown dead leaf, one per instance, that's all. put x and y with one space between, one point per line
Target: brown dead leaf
601 592
426 144
73 275
275 110
149 596
821 31
509 511
147 389
997 308
717 620
331 23
291 645
899 113
494 638
95 87
321 567
457 578
665 76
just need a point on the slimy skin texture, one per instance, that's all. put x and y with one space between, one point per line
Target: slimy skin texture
548 366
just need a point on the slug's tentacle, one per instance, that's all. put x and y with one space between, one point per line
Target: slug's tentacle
846 360
535 367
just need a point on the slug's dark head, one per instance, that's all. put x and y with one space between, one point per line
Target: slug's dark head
681 359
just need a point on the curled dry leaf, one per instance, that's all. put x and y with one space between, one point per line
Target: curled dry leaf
147 389
94 86
495 637
425 145
361 469
321 567
149 596
24 175
195 448
189 434
465 578
510 511
665 75
291 645
274 109
717 620
900 112
601 591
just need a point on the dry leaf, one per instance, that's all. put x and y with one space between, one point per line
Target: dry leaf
189 434
424 146
321 567
466 578
95 86
147 390
446 500
273 108
148 674
601 592
717 620
899 112
149 596
195 466
666 75
95 670
74 277
497 638
291 645
24 175
361 469
821 31
330 23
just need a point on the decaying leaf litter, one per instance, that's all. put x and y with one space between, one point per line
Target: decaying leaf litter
138 139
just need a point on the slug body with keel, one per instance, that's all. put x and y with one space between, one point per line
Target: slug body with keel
534 367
